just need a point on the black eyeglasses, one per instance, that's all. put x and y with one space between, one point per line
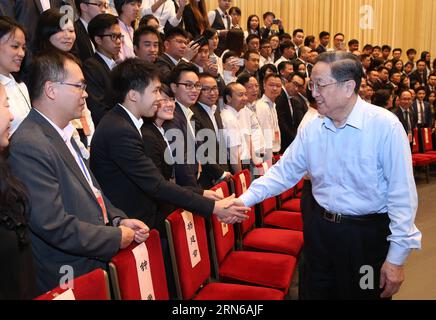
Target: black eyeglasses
209 89
190 86
114 36
99 5
82 85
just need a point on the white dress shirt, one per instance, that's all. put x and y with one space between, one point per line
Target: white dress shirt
18 99
281 59
211 113
267 114
137 122
211 15
127 45
252 134
165 13
188 115
45 4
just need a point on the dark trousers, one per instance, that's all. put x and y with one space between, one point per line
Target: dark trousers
341 260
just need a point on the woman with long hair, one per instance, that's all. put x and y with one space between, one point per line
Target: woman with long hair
426 56
16 268
195 17
12 52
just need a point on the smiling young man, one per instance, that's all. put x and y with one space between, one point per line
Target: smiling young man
106 35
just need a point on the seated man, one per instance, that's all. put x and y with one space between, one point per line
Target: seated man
72 223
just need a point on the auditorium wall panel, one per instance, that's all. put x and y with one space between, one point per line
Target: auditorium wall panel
399 23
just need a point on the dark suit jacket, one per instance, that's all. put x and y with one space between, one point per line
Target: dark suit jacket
288 123
428 117
212 170
82 46
129 177
65 219
399 112
7 8
416 77
183 146
165 66
320 49
100 98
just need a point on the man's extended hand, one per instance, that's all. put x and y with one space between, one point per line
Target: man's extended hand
230 210
391 278
140 229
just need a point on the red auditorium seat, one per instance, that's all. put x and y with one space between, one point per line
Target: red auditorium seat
192 282
125 278
91 286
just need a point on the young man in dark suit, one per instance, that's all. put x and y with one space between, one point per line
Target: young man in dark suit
290 111
208 122
72 223
86 10
118 159
106 35
421 109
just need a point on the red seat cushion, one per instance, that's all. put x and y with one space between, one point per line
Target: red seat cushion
274 240
228 291
292 205
284 219
261 268
420 160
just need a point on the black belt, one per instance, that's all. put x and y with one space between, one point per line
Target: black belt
343 218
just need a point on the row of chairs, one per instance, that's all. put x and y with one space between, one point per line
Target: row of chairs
253 260
423 154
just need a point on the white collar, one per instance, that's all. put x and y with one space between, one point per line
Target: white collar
232 110
221 12
109 62
137 122
186 111
65 133
210 110
85 24
5 80
268 101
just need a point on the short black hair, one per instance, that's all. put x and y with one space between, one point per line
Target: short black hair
250 52
323 34
398 49
175 74
99 24
353 42
119 4
47 66
386 47
344 66
376 47
174 32
144 20
282 65
251 37
142 31
411 51
237 10
271 75
244 78
296 74
228 91
132 74
339 34
368 47
294 33
268 13
286 44
229 54
308 40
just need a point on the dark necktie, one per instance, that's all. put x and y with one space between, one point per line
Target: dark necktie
227 17
421 111
408 124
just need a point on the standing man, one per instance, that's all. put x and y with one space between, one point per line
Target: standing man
72 223
220 20
339 42
405 114
360 164
324 40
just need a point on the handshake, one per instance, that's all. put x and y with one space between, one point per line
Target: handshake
229 210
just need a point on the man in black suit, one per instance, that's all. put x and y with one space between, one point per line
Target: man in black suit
106 35
290 110
421 109
71 221
324 39
404 113
86 10
208 123
118 159
176 49
180 131
7 8
418 78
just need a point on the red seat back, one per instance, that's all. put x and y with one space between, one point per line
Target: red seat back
190 278
90 286
125 275
427 139
238 179
415 142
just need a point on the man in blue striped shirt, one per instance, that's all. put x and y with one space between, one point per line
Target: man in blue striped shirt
361 228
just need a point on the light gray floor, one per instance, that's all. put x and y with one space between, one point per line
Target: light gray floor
420 269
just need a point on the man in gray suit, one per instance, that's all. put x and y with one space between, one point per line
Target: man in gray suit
73 226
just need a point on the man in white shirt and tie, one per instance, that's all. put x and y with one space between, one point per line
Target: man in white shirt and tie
421 109
220 20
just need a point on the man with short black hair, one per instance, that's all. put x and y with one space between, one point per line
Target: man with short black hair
421 109
386 51
396 53
269 19
339 42
71 221
353 45
324 40
418 78
146 43
287 48
298 40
